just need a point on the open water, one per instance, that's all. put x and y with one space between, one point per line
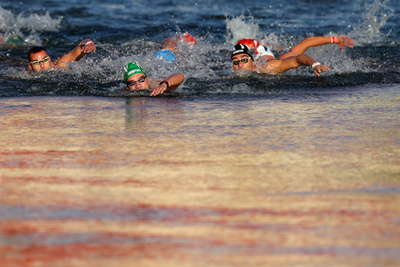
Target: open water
229 170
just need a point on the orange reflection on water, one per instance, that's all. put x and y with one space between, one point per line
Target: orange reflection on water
100 182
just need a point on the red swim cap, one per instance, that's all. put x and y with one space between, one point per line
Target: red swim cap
251 44
186 37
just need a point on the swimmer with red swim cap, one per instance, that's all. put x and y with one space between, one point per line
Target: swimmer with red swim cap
169 47
242 55
259 50
186 38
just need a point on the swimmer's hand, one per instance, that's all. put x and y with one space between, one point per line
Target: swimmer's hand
343 41
87 46
159 90
320 68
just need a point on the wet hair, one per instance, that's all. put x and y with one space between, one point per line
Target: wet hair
35 49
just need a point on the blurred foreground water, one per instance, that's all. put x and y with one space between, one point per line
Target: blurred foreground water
306 180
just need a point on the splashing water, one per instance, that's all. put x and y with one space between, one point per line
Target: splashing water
242 27
206 66
32 22
246 27
27 27
40 23
373 20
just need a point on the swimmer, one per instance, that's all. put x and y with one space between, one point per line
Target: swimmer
14 40
169 47
242 56
39 60
136 80
11 37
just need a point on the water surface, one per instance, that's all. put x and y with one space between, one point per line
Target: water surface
289 170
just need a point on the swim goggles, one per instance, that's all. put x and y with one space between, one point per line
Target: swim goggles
140 81
37 62
243 60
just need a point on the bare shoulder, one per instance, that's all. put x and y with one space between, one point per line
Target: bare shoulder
270 67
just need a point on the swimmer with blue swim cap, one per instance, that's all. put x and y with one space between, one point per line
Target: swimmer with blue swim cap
169 47
137 80
168 51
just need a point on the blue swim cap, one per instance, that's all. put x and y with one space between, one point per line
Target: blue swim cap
166 55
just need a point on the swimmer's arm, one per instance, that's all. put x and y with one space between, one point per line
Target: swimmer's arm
276 66
300 48
86 46
173 81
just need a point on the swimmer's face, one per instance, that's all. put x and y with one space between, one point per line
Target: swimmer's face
39 61
244 62
138 82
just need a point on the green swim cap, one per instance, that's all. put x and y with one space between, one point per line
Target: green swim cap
15 40
132 69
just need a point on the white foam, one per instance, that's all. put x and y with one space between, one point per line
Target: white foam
32 22
7 20
370 29
40 23
245 27
241 27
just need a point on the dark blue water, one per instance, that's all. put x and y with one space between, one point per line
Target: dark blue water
127 31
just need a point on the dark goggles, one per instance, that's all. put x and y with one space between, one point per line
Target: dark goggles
243 60
138 81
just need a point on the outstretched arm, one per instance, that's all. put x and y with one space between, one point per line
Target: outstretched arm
276 66
169 84
86 46
301 47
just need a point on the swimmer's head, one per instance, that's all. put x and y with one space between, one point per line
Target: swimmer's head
241 49
15 40
39 59
167 55
135 77
186 38
131 69
242 59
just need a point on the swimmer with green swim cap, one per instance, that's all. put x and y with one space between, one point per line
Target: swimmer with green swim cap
15 40
136 79
133 68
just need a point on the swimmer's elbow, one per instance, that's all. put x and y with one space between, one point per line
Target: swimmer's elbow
181 76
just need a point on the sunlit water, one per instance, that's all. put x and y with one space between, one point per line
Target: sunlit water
291 170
